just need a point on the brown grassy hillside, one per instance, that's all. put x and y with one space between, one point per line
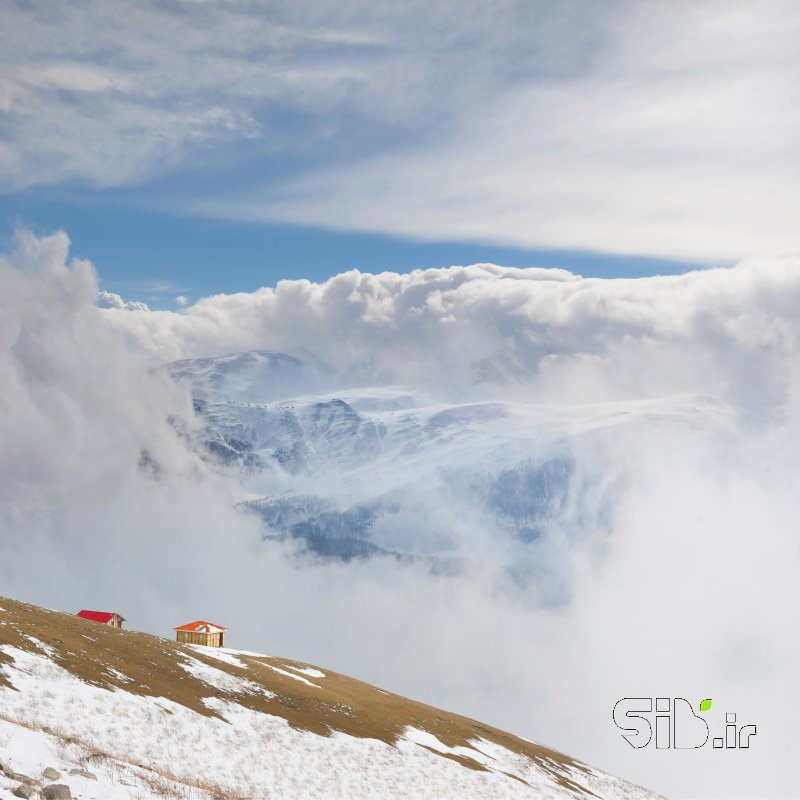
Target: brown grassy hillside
149 665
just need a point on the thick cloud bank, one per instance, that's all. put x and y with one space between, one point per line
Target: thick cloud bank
541 335
688 385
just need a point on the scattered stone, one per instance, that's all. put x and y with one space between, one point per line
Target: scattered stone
51 774
56 791
83 773
23 791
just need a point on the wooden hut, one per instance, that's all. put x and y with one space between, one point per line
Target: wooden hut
200 632
103 617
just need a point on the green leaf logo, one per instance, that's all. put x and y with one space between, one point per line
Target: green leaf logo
705 704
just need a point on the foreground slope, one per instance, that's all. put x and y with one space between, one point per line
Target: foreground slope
121 714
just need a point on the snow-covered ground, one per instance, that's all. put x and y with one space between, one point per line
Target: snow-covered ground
107 742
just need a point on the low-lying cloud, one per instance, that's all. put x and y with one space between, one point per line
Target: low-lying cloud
541 335
687 589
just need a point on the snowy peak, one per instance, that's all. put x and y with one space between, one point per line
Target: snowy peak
124 714
295 436
257 375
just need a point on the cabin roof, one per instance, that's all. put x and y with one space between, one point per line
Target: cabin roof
201 627
99 616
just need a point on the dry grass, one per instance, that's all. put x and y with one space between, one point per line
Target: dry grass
159 782
150 666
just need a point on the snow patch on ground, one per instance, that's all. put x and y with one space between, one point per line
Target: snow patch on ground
220 654
428 740
45 648
115 673
291 675
216 678
314 673
29 752
235 652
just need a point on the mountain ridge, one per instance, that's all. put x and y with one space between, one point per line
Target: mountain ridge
379 458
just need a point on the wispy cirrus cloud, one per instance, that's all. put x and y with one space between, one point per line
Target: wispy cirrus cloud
173 81
680 137
665 130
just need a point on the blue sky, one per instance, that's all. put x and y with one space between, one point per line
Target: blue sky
219 146
155 257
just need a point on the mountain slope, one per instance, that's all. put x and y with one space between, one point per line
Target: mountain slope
358 471
121 714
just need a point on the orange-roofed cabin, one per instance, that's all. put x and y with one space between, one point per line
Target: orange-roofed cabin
204 633
103 617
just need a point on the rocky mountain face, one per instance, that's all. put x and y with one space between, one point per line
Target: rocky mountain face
362 471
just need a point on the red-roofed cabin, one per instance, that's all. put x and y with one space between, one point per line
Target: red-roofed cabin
205 633
103 617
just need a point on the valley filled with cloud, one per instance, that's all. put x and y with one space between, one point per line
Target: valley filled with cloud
516 493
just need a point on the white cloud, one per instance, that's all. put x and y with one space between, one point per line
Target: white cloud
68 77
113 300
680 140
687 589
650 128
693 589
563 337
173 82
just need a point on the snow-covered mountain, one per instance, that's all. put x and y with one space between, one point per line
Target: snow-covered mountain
112 714
255 375
353 471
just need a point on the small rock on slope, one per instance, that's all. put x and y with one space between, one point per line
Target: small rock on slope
56 791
